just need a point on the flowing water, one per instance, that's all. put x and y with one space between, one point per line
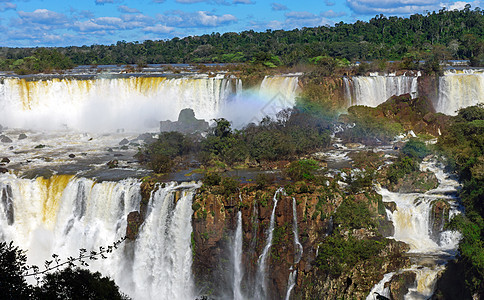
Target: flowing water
64 214
237 259
261 288
414 225
459 89
376 89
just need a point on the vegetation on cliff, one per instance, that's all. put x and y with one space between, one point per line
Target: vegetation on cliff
464 148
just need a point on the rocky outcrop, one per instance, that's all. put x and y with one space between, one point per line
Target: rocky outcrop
187 123
134 222
5 139
400 284
415 182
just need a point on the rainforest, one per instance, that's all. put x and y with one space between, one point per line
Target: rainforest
334 162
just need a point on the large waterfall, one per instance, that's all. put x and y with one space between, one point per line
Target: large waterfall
64 214
376 89
414 225
459 89
456 89
134 103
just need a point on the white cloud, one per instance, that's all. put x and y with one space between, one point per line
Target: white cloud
158 29
102 2
278 7
196 19
7 6
403 7
332 14
459 5
299 15
126 9
243 2
42 16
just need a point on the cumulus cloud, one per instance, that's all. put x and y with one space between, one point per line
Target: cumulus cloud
329 3
294 19
196 19
243 2
459 5
42 16
102 2
401 7
7 6
126 9
198 1
332 14
278 7
158 29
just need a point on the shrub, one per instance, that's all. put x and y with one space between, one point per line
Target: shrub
303 169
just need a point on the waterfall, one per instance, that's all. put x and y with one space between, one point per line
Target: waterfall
298 247
380 287
413 225
458 89
163 255
374 90
291 282
63 214
261 284
237 258
97 104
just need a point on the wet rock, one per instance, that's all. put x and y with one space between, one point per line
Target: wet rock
5 139
10 148
416 182
40 146
391 206
7 200
400 284
125 147
124 142
72 155
3 170
134 222
187 123
5 160
147 138
110 150
22 136
112 163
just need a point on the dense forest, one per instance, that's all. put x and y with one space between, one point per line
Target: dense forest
443 34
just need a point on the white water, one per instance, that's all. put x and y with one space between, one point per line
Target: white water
458 89
261 284
134 103
64 214
374 90
298 247
380 287
412 221
298 251
291 283
237 259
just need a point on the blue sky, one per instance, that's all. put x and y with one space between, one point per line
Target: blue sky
26 23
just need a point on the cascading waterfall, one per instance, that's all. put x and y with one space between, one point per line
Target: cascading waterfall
261 284
63 214
376 89
109 103
237 258
458 89
298 249
412 222
163 256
